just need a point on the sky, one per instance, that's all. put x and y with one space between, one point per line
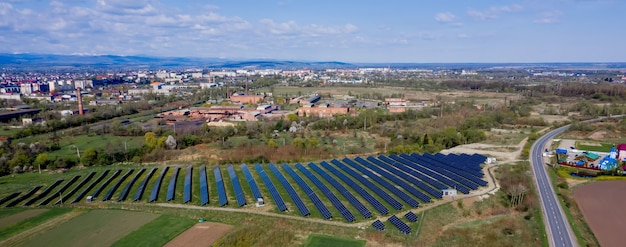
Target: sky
448 31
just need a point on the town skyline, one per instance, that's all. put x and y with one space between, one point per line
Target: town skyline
480 31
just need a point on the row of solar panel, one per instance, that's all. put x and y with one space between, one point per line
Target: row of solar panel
389 167
396 222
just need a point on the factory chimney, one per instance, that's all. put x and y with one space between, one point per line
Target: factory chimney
79 97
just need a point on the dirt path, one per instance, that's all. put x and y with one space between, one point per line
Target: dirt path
54 222
202 234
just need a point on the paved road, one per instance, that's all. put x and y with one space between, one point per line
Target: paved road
557 226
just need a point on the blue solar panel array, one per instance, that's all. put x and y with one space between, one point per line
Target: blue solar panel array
254 188
304 210
449 178
157 185
126 189
91 185
405 173
378 225
334 183
187 187
241 199
465 178
219 182
424 168
412 217
24 197
142 185
398 223
382 194
79 186
105 184
280 204
204 187
171 189
309 192
329 194
109 193
451 163
356 187
404 185
44 192
59 193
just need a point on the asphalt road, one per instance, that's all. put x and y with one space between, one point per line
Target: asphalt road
557 226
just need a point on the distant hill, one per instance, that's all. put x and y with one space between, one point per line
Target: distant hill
112 61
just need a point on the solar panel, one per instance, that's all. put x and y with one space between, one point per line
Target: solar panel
24 197
106 183
304 210
378 225
351 198
280 204
60 191
204 187
404 185
109 194
79 186
317 202
187 186
241 199
356 187
126 189
142 185
398 223
154 195
440 174
254 188
91 185
329 194
408 175
410 216
221 190
10 197
44 193
382 194
171 189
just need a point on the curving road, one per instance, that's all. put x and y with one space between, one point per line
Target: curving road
557 226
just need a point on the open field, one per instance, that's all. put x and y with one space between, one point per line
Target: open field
20 216
316 240
594 147
94 228
68 145
154 233
202 234
20 226
599 205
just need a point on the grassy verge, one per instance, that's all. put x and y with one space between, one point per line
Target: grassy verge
31 222
154 233
316 240
570 207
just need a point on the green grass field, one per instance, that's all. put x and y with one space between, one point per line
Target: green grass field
31 222
603 147
68 145
154 233
316 240
94 228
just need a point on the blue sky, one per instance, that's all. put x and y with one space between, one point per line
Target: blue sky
322 30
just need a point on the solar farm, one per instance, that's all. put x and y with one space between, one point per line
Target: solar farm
347 190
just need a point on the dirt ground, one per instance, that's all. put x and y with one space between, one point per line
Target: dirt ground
13 219
602 208
202 234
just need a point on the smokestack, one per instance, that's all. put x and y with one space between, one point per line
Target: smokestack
80 102
246 85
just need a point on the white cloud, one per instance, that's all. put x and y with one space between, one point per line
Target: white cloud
494 12
549 17
293 28
445 17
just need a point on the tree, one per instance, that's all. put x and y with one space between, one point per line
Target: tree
41 160
298 142
89 157
150 140
272 144
170 142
